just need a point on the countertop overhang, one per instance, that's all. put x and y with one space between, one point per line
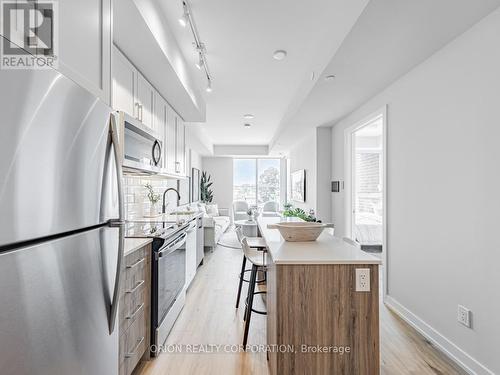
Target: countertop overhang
133 244
327 249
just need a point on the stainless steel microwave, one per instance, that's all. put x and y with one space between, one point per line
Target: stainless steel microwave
141 146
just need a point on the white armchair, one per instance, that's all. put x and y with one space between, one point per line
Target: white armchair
270 209
240 209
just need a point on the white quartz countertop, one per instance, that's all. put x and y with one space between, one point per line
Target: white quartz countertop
168 218
133 244
327 249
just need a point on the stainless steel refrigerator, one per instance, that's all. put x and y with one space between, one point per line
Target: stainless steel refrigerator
61 233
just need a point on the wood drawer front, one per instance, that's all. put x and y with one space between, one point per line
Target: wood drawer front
135 265
133 344
131 305
135 286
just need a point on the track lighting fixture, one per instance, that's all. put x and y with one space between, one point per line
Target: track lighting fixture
184 19
187 18
200 63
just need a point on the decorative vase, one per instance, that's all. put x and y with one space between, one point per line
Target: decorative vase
153 209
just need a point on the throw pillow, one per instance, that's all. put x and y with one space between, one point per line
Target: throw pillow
212 210
202 208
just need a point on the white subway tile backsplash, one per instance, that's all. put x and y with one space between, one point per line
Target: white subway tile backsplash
136 201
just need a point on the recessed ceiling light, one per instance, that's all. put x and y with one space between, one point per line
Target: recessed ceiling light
209 86
247 126
279 54
248 116
329 77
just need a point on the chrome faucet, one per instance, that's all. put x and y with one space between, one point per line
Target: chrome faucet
164 206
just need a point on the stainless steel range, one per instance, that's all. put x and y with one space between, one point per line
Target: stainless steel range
168 275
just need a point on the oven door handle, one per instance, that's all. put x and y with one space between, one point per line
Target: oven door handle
171 248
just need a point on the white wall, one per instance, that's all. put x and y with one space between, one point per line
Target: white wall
443 193
241 150
314 155
221 170
323 174
197 139
303 156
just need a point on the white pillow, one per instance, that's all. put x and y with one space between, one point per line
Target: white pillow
212 210
202 208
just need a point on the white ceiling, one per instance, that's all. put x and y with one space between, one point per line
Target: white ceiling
367 45
241 37
389 39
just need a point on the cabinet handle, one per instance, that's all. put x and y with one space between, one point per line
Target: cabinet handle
141 113
136 311
137 116
135 287
133 352
133 265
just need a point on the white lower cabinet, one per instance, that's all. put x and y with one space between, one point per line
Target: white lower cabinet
191 264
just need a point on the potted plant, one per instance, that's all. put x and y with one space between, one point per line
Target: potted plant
206 194
154 198
250 214
298 212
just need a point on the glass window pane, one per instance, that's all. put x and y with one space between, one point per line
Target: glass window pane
268 180
244 186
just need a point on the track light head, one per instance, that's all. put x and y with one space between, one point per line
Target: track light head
184 20
200 63
209 86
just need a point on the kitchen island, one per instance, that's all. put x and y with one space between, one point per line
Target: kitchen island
317 323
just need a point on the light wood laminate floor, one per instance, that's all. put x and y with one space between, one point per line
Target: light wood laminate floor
209 317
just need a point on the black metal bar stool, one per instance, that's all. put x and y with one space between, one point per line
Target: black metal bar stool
256 243
259 263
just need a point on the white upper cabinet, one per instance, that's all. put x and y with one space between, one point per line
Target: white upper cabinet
85 44
171 141
124 84
145 100
134 95
180 167
160 123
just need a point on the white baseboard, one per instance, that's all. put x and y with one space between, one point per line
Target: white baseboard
452 351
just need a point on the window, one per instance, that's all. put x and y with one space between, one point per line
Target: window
256 181
244 184
268 183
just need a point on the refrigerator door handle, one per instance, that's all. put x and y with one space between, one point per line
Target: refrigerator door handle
120 223
119 171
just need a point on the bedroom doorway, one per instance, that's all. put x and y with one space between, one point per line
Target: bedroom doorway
365 189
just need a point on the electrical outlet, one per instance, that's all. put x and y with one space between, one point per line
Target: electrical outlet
362 279
463 316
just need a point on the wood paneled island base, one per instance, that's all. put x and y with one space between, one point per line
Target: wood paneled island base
315 310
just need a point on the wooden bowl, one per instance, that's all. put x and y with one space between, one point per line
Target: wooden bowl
300 231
